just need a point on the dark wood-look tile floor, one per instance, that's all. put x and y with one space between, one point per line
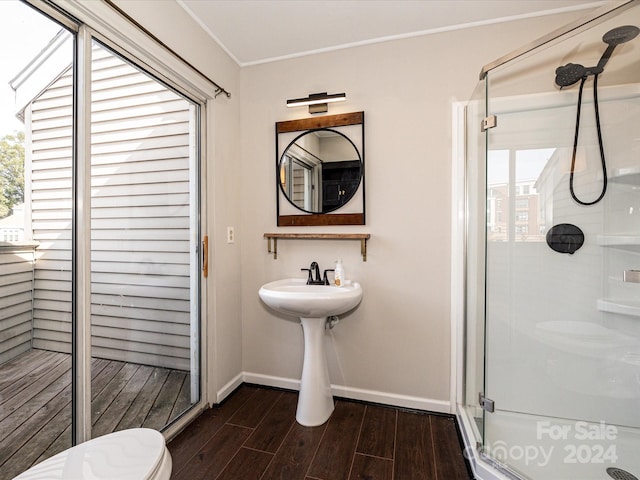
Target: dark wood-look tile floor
253 435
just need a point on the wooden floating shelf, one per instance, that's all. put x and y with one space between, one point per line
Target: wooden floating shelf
363 237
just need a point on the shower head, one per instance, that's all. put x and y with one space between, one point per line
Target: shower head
569 74
620 35
572 73
613 38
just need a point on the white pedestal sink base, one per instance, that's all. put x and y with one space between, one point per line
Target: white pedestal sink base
315 402
312 304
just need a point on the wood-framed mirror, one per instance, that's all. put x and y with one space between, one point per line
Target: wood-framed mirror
320 171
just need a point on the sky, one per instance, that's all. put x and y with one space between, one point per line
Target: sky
529 165
24 33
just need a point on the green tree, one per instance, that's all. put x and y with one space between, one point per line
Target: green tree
11 172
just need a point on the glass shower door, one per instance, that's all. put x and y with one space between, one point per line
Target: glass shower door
475 175
562 330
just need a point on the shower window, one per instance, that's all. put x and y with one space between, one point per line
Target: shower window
515 206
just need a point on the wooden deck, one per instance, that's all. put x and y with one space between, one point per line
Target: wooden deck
35 403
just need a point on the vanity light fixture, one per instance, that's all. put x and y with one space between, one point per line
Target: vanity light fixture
317 101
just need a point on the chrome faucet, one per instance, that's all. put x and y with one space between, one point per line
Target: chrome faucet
314 269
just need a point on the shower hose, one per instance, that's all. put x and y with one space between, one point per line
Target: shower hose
575 143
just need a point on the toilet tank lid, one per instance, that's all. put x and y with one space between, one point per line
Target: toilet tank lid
133 454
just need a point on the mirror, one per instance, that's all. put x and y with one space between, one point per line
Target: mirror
320 170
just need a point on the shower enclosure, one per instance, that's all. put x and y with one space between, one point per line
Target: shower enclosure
552 299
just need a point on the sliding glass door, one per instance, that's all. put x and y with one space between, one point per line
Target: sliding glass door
144 264
101 259
36 154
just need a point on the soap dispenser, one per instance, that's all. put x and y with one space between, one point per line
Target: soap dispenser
339 274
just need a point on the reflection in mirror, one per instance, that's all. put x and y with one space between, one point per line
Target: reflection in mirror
320 171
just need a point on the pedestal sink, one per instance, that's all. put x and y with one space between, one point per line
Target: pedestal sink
312 304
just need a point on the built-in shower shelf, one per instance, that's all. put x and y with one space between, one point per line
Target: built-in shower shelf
620 306
623 242
630 176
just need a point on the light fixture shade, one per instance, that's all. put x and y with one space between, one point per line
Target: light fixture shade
317 99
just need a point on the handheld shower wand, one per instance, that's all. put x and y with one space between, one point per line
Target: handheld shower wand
572 73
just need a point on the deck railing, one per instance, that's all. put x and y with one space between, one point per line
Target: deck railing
17 262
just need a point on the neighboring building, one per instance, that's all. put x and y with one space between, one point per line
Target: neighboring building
12 227
524 223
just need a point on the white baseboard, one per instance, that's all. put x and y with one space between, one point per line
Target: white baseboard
271 381
397 400
352 393
231 385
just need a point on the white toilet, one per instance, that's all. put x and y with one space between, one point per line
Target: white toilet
134 454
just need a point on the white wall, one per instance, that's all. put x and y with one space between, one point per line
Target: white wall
397 342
